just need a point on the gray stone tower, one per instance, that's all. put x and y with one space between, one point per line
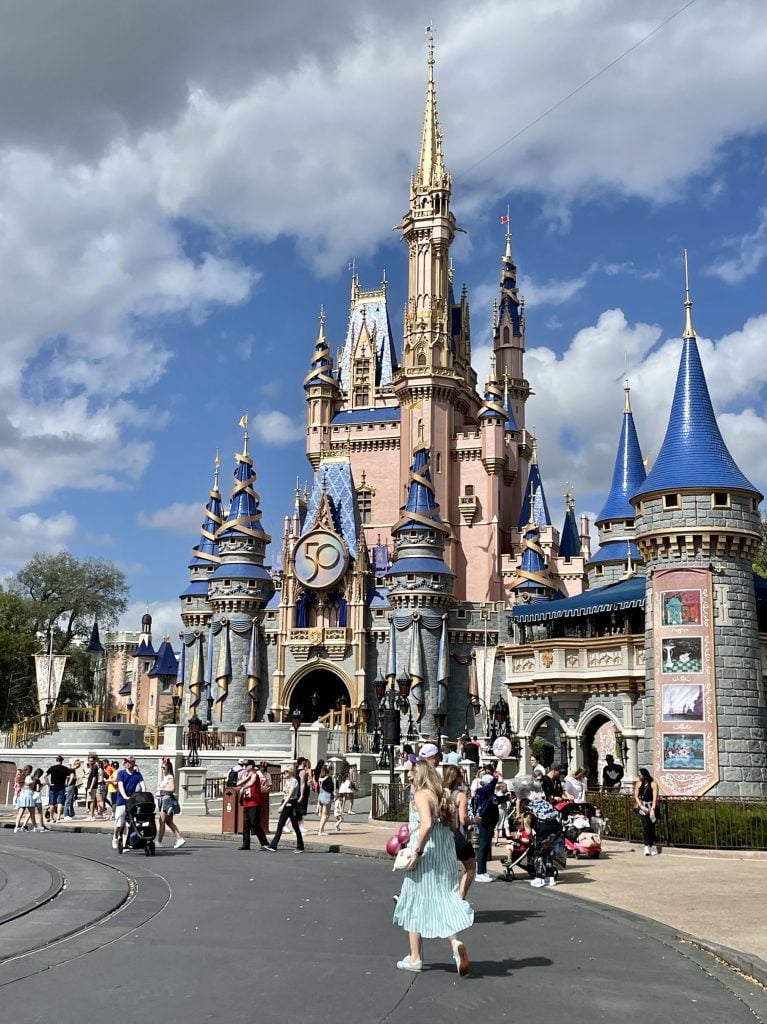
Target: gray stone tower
420 593
697 529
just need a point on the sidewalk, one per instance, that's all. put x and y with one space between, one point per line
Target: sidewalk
716 897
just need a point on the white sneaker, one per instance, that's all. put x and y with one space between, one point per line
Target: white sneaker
486 877
158 842
653 852
114 843
178 843
536 883
38 829
551 881
647 851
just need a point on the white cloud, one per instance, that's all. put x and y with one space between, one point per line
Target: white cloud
751 251
273 427
552 293
30 534
176 518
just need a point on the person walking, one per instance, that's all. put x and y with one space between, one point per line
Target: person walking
70 790
25 800
485 808
111 777
430 905
464 851
575 785
325 797
129 781
57 779
646 801
250 801
168 805
304 775
37 813
288 811
345 790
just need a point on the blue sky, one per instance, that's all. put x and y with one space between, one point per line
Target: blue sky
180 190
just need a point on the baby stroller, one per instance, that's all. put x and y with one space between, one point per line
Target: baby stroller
139 819
582 837
547 854
519 849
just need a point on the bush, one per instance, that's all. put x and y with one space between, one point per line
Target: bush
544 751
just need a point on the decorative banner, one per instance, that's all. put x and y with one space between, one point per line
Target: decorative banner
485 658
686 749
49 672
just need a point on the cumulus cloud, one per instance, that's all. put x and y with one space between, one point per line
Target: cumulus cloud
176 518
275 428
750 252
30 534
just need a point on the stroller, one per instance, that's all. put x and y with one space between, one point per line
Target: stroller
519 849
139 819
582 829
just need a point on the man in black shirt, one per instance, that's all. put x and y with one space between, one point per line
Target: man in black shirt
552 786
57 778
612 773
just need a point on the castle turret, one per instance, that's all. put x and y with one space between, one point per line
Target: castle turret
420 590
492 419
239 588
321 397
615 523
698 531
509 334
195 610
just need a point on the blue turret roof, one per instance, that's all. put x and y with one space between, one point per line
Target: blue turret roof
570 541
511 423
421 509
206 552
492 407
95 645
244 512
629 472
333 482
321 371
693 455
540 513
509 306
369 311
144 649
616 551
532 572
167 662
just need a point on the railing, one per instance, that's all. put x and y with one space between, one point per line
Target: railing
390 802
214 787
153 736
217 739
714 823
25 732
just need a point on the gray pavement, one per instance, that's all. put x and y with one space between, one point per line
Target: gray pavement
209 933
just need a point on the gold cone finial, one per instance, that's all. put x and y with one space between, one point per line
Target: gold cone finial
321 335
244 425
217 464
431 166
627 396
492 374
534 455
689 330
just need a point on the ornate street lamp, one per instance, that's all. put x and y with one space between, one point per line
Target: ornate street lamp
194 728
295 721
439 720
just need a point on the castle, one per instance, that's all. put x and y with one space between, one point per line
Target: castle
424 550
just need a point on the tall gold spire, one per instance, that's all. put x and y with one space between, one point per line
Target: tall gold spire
627 393
217 464
689 330
244 425
431 165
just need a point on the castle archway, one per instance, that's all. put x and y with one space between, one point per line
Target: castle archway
597 738
317 692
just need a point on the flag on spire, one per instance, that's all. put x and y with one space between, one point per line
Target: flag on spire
504 218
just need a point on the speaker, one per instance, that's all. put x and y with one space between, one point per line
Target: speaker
390 727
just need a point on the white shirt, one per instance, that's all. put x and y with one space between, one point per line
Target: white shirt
575 788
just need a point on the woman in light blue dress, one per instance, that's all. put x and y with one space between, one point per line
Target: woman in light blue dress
429 904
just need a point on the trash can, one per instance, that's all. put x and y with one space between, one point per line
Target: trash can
230 812
264 815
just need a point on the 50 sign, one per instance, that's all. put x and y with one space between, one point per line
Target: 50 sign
321 559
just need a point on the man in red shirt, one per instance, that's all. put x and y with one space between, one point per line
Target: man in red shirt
250 801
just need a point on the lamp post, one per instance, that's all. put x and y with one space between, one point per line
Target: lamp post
477 704
363 714
295 721
194 727
500 717
130 706
379 687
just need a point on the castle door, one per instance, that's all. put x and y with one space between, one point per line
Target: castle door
318 692
598 739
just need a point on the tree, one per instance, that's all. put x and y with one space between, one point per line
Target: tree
18 645
760 563
66 595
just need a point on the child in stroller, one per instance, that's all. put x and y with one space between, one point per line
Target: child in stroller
583 826
537 846
140 824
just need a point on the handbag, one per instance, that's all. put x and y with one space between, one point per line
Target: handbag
404 860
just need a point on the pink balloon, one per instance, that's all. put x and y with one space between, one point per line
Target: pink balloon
404 834
392 846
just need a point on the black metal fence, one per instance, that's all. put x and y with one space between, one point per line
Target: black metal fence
391 802
713 823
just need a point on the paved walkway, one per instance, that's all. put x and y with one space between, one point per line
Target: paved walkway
716 897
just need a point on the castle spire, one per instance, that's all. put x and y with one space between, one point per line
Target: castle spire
534 506
421 508
206 551
431 165
569 541
629 470
689 330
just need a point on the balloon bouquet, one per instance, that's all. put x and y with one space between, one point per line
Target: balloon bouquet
398 842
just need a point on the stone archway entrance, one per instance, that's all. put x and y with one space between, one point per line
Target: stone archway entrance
598 739
318 692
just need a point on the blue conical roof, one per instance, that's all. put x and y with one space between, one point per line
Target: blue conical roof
511 423
570 541
421 509
693 455
244 514
167 662
206 552
540 511
532 572
492 407
629 472
95 645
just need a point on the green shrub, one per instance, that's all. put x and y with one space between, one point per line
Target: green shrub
544 751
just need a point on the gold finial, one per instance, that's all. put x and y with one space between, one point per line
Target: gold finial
244 425
534 456
492 367
431 167
689 330
569 498
495 315
217 464
507 258
505 388
321 336
627 396
384 282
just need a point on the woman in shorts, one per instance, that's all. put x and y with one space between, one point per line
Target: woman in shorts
464 851
168 805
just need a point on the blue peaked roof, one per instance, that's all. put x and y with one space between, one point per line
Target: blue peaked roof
167 662
335 478
628 475
421 504
197 588
144 650
435 566
511 424
616 551
244 511
570 541
540 509
206 552
367 416
95 645
693 454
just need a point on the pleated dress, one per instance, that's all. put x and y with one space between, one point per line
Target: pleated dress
429 902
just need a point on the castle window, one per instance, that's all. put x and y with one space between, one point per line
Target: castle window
361 397
461 613
672 501
438 462
600 570
607 527
754 505
411 578
720 499
469 490
365 505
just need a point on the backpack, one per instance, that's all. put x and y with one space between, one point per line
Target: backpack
231 779
265 779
